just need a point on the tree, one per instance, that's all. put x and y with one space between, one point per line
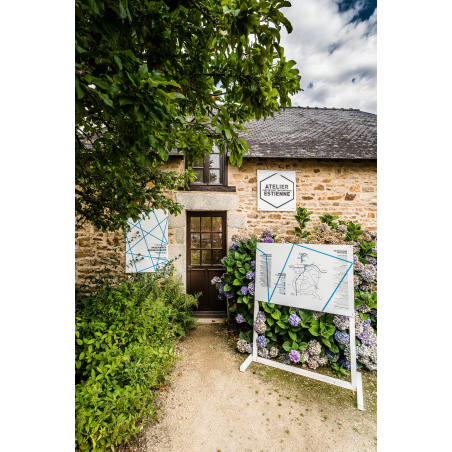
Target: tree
154 76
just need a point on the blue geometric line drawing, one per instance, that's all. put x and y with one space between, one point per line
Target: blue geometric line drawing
284 266
351 265
143 248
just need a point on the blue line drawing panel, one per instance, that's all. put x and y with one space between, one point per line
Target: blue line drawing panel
147 243
309 277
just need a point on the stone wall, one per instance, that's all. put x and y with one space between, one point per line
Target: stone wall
347 188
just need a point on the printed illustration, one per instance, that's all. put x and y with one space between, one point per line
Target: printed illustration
307 276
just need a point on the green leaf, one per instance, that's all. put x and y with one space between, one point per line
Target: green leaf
302 346
294 346
314 330
334 348
292 335
287 346
106 99
282 324
270 321
276 314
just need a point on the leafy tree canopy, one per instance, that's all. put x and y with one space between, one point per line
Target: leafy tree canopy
155 76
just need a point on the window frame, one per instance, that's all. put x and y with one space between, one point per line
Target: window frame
222 185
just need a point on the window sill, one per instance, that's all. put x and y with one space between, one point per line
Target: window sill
217 188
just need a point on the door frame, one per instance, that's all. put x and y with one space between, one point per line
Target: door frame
204 213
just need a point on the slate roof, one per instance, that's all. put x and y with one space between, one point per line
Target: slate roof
303 132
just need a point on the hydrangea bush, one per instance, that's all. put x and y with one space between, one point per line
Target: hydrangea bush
299 336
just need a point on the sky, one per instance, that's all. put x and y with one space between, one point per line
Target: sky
334 43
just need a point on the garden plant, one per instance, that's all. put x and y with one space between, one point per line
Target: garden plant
301 336
123 353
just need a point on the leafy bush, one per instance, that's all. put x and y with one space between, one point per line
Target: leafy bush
124 349
318 338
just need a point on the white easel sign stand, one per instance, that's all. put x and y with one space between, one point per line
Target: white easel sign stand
356 377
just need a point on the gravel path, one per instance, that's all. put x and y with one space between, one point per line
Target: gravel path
211 406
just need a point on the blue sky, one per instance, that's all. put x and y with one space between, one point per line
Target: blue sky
334 43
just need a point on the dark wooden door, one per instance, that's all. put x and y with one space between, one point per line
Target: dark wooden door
206 246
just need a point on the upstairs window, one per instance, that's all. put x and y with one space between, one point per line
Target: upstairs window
210 171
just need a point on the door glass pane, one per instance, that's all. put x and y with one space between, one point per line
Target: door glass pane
198 163
195 239
195 224
205 241
216 223
206 224
214 161
216 240
214 176
206 257
217 257
195 258
199 175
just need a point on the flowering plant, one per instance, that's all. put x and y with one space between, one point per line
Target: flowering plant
317 338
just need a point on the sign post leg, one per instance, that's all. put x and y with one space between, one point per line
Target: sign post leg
359 392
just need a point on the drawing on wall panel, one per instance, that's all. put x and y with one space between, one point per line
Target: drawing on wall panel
307 276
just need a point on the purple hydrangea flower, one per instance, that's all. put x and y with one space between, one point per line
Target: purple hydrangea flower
347 365
267 240
267 232
229 294
244 290
251 288
253 264
221 296
221 288
239 319
294 356
250 275
341 338
233 246
261 341
294 320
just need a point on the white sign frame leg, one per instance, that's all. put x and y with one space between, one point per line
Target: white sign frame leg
356 377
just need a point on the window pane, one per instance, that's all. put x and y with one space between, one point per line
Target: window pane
198 163
214 176
195 258
217 257
195 240
206 257
216 224
216 150
205 241
199 175
216 240
206 223
195 224
214 161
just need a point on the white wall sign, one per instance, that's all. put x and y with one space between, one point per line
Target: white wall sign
314 277
147 243
276 191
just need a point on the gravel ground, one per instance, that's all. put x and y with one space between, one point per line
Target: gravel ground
211 406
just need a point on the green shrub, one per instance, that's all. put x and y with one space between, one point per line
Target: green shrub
237 285
124 349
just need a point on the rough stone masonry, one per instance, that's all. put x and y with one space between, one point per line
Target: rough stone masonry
347 188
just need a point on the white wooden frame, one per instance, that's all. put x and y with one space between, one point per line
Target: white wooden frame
355 385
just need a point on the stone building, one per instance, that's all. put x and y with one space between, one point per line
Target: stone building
333 153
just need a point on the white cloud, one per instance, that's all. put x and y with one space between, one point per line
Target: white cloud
330 52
